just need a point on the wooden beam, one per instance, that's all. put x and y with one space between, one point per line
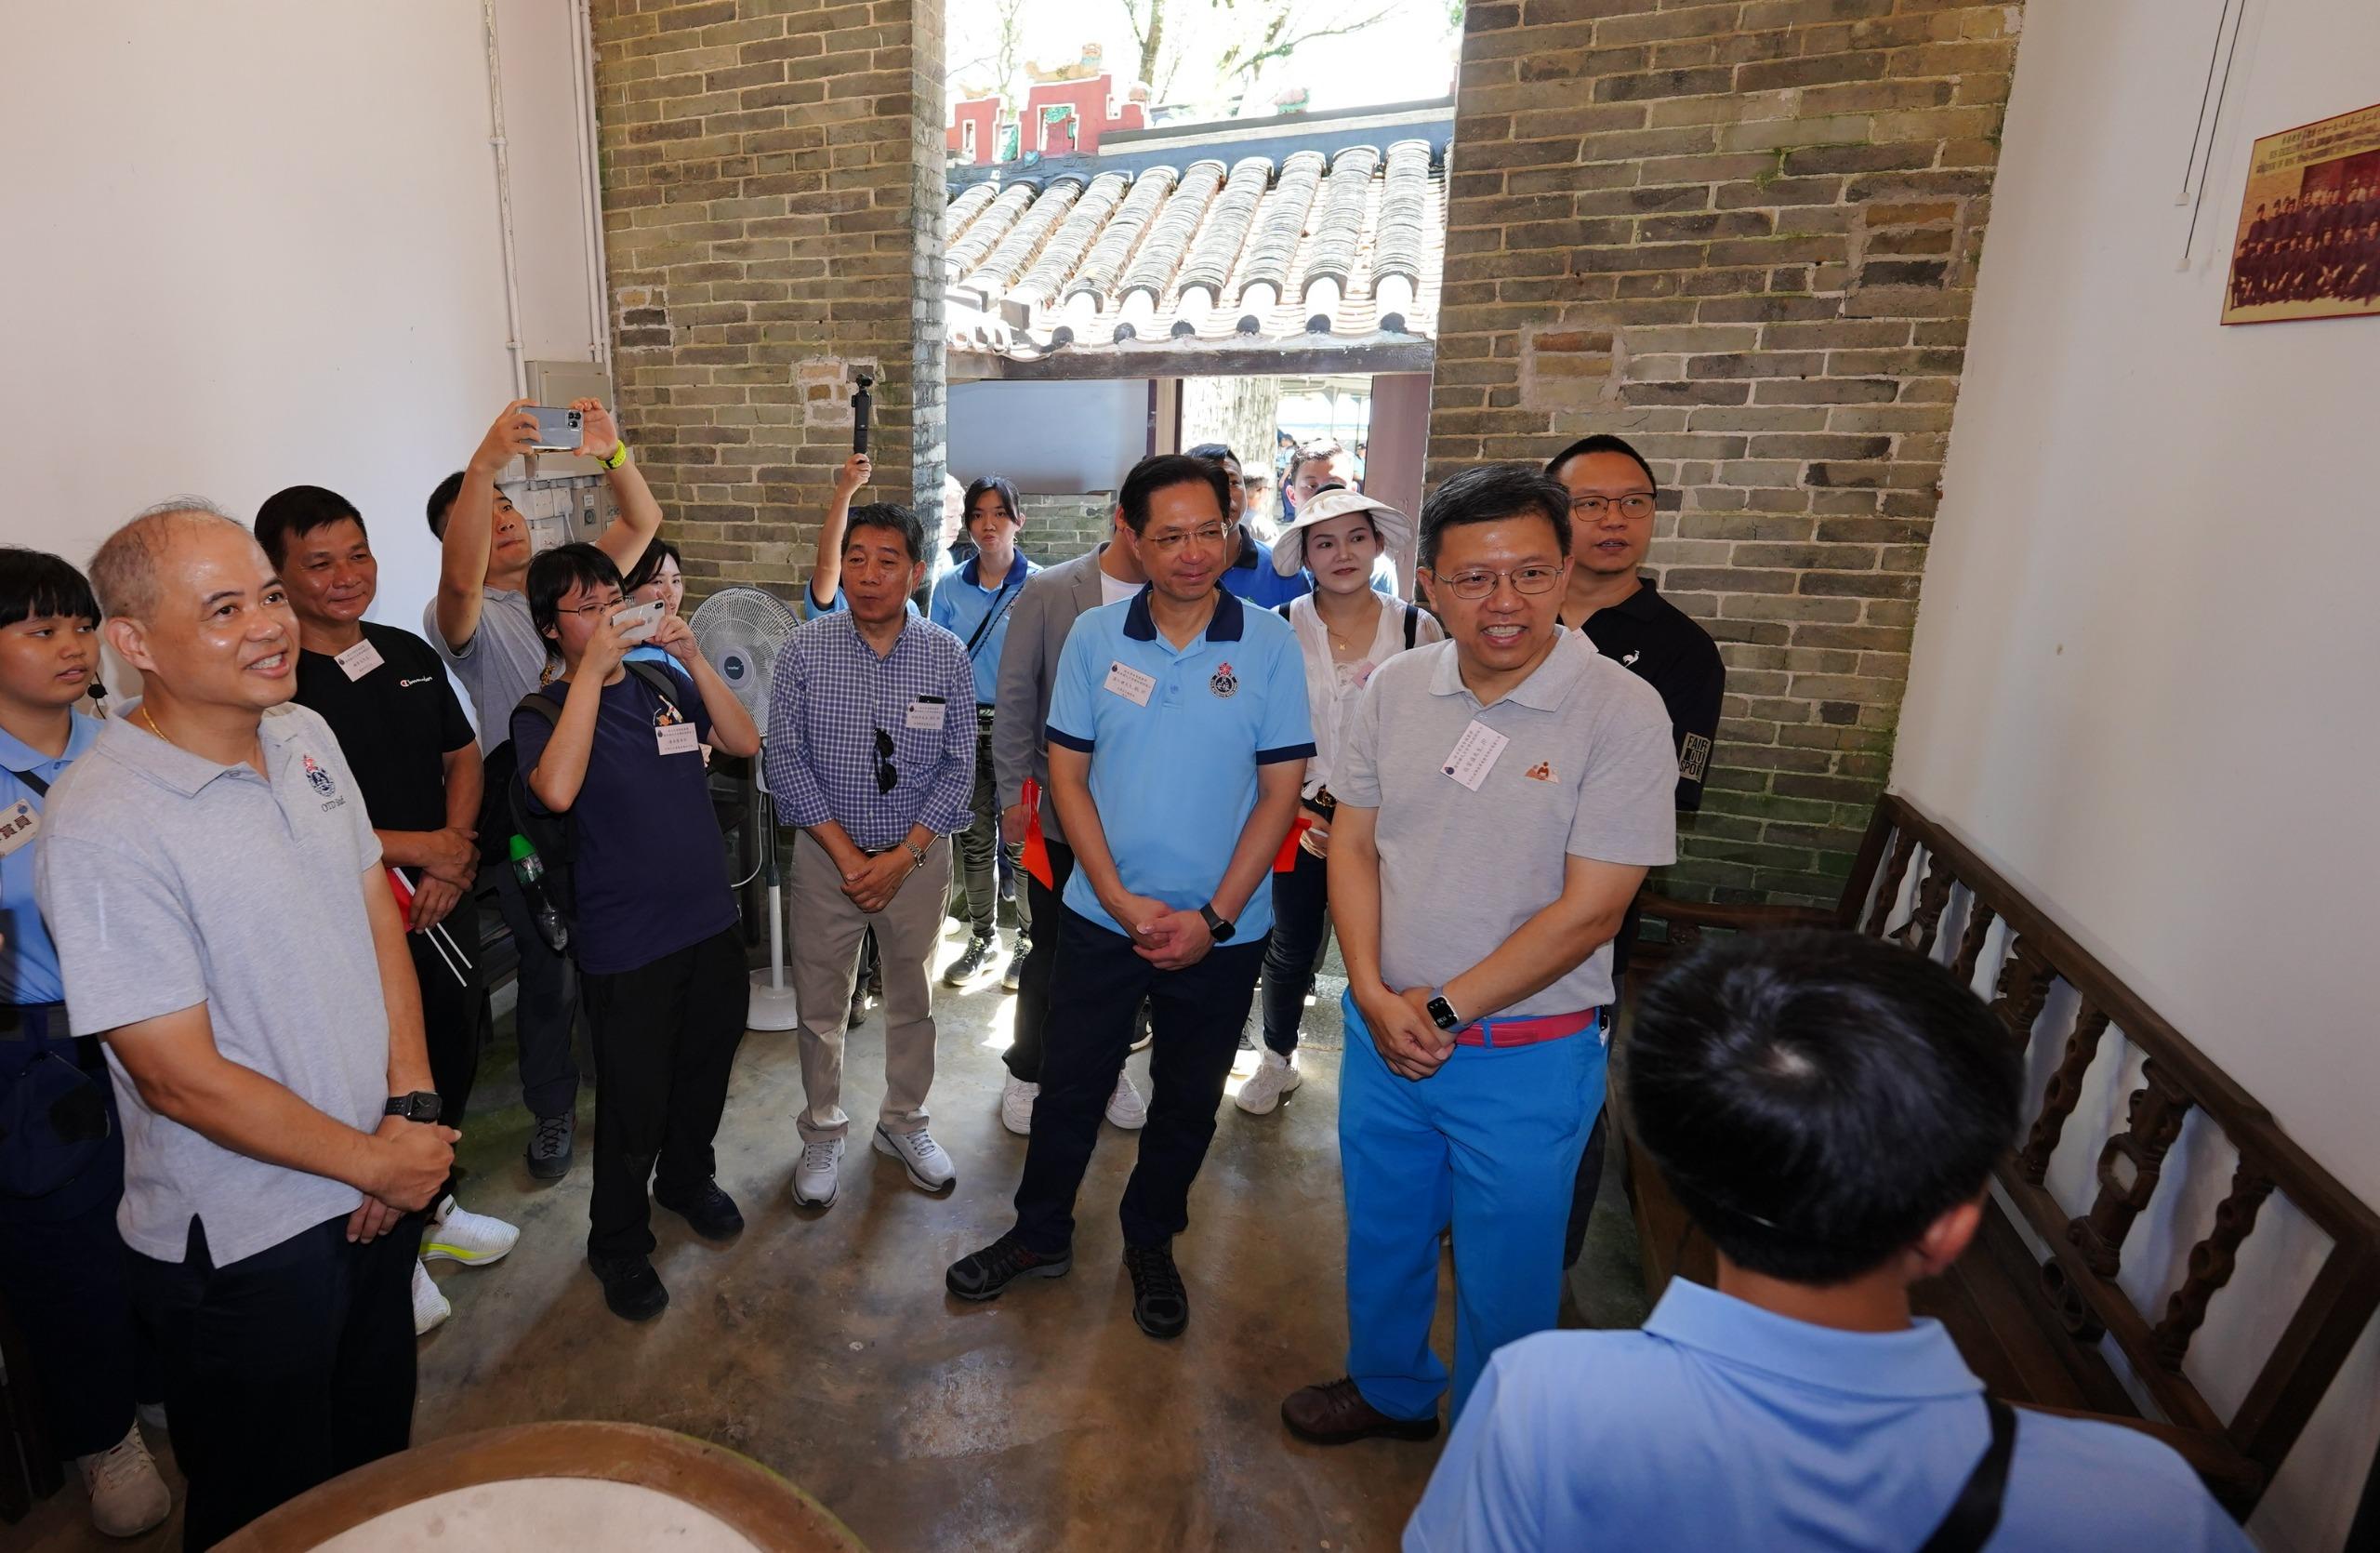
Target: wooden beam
1173 358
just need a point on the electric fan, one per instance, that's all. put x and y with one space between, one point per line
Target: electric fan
740 631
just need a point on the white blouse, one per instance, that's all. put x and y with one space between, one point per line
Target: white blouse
1331 688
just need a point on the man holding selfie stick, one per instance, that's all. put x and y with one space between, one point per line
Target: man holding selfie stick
480 625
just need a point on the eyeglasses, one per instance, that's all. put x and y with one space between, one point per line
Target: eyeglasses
886 777
589 611
1479 584
1170 544
1635 504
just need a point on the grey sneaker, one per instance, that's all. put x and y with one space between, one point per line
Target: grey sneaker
549 1149
971 960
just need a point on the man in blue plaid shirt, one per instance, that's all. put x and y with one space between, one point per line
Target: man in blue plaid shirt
871 752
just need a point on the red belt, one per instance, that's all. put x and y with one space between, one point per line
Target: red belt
1526 1032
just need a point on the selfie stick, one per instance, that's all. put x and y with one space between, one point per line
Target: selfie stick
861 404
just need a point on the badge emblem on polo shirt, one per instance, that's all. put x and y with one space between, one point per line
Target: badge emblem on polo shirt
316 774
1541 772
1223 681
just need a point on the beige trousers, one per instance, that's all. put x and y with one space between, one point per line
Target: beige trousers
825 931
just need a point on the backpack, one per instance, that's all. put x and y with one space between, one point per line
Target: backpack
1412 620
553 835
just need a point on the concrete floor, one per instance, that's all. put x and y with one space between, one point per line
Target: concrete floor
823 1344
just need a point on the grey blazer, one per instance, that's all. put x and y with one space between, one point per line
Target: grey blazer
1054 599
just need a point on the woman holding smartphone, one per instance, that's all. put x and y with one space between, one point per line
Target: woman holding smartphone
1346 629
654 915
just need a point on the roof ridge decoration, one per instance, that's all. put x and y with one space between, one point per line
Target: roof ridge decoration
1024 240
1264 267
1168 238
1066 246
1200 282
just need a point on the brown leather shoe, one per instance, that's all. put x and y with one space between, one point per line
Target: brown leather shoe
1336 1413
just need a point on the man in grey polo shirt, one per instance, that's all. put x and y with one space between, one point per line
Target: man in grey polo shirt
479 623
1501 795
224 926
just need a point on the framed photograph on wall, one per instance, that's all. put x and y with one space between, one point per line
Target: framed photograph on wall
2309 244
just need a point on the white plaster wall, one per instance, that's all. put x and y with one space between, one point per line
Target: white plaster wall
2143 675
254 244
1080 436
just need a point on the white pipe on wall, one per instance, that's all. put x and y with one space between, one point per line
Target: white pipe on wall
599 280
504 202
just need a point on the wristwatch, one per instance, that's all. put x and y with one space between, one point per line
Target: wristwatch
1442 1012
1218 928
422 1104
918 857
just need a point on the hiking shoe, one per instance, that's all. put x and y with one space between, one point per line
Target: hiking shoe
550 1146
1274 1076
929 1169
127 1494
631 1288
455 1234
985 1273
1160 1303
709 1209
971 960
814 1174
1336 1413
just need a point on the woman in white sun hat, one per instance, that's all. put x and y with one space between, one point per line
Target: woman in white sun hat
1345 629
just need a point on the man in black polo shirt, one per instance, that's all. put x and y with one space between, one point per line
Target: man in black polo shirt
393 711
1613 496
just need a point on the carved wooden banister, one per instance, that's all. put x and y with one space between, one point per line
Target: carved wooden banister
2213 1261
1980 916
2025 979
1896 869
2129 1168
2065 1089
1933 899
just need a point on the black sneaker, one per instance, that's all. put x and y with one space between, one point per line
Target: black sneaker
710 1211
876 982
971 960
988 1272
859 1007
630 1286
550 1147
1012 973
1160 1303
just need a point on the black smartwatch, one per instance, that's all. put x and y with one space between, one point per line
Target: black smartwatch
1441 1014
1218 928
420 1106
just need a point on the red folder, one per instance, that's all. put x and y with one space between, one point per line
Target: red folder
1036 850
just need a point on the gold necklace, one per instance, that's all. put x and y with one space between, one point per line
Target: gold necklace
152 725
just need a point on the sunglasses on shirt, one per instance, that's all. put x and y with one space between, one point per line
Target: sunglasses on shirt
886 777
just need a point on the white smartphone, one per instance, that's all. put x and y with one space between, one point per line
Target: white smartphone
641 619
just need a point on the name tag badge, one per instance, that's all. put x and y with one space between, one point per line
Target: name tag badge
928 714
19 824
1474 755
359 660
1130 684
677 738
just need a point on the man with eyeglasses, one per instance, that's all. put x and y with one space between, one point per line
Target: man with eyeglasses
1613 497
1501 795
1178 741
871 753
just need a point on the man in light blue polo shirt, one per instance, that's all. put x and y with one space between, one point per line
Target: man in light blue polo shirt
1783 1084
1178 741
973 602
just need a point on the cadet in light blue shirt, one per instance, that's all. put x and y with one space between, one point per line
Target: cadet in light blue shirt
1784 1083
973 602
1178 742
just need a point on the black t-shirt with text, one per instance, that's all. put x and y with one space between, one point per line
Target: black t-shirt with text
395 723
1663 645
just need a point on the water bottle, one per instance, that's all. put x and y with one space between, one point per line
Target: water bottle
530 869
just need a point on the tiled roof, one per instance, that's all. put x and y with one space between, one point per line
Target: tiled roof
1298 252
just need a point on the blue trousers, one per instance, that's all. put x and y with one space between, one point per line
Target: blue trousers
1490 1144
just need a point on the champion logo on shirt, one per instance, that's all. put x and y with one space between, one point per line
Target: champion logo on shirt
318 776
1223 683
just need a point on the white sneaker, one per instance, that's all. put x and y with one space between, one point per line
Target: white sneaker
1275 1076
127 1495
152 1414
814 1175
454 1234
429 1307
929 1169
1016 1106
1125 1107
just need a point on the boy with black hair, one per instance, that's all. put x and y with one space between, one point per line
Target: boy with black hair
654 916
62 1144
1828 1107
480 625
403 730
872 756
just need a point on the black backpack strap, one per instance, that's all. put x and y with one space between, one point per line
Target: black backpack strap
662 683
1412 624
1975 1514
1282 609
41 789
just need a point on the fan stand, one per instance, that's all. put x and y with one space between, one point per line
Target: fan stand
771 1006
